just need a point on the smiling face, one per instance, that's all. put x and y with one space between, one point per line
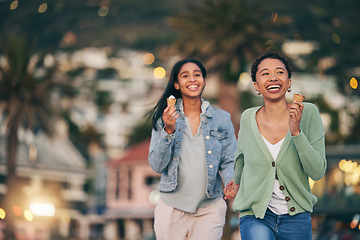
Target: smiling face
190 81
272 79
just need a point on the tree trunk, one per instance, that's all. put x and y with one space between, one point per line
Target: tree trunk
229 100
11 198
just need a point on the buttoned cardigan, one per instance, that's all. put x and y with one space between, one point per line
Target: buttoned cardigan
299 158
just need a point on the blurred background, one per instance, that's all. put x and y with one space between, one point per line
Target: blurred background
77 78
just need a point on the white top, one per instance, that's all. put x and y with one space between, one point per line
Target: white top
277 202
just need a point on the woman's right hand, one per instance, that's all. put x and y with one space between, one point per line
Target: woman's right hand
169 117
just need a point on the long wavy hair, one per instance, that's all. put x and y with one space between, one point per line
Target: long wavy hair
158 110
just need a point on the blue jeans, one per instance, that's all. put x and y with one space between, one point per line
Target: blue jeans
279 227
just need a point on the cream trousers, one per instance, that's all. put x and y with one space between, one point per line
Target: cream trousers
206 224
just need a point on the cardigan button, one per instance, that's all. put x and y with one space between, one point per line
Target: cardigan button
287 199
210 166
273 164
292 209
209 152
207 137
282 188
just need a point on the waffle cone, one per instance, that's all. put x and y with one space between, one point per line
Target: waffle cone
171 102
298 97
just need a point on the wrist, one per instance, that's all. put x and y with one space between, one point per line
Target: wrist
168 131
296 133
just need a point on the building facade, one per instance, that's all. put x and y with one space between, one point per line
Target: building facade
131 195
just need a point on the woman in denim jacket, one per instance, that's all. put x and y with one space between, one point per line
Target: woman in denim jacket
192 147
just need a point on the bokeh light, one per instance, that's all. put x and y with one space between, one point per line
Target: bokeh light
17 210
43 8
274 16
355 221
154 196
354 83
148 58
14 5
159 72
42 209
352 172
335 38
2 213
103 11
28 215
311 183
245 79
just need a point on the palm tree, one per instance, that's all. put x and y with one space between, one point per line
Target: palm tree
226 35
25 104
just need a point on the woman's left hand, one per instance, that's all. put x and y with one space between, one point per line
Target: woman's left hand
231 190
296 110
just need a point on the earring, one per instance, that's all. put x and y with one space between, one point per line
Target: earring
258 93
289 89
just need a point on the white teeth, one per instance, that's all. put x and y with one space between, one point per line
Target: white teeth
273 87
193 86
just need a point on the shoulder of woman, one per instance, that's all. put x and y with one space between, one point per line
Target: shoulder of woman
249 111
310 107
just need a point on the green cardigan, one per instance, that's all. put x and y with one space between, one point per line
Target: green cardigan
299 158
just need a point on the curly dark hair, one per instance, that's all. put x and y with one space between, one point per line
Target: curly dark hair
272 55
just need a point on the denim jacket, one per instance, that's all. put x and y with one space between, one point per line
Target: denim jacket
220 144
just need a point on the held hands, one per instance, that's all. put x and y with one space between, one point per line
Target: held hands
169 117
231 190
296 110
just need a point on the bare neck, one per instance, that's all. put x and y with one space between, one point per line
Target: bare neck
273 111
192 107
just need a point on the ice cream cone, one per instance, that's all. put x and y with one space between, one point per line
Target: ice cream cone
171 101
298 97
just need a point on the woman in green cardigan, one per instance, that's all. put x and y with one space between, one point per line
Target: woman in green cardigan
280 145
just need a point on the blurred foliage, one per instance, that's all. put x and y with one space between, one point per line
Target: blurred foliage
106 73
332 25
247 100
70 25
81 138
354 137
333 134
233 28
140 132
226 34
103 100
26 104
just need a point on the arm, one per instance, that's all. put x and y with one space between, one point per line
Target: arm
239 156
311 147
227 159
160 150
162 140
232 188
